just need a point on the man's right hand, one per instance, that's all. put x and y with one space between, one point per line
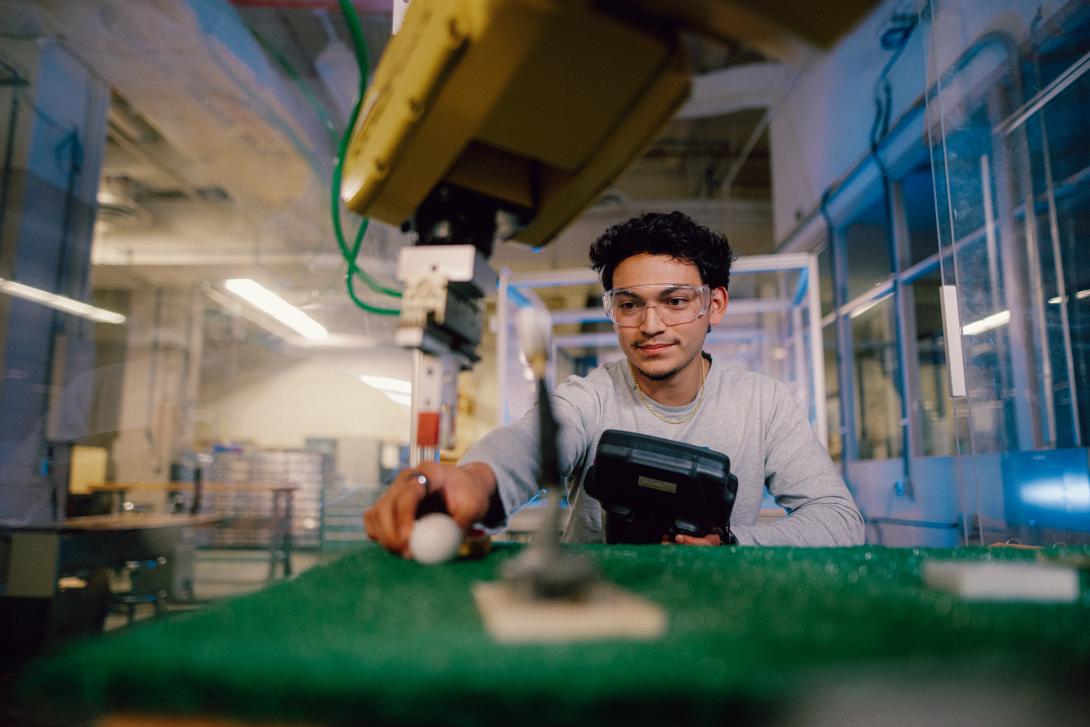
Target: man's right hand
465 493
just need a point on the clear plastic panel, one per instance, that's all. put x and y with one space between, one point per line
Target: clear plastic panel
1009 143
932 405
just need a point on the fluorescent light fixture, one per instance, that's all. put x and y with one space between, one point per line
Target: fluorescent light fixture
995 320
265 300
398 391
402 399
866 307
60 302
1078 296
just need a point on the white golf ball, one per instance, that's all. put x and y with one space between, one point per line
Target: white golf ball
435 539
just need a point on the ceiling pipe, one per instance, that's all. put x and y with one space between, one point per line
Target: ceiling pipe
117 135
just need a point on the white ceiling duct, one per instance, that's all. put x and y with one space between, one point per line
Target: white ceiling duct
738 88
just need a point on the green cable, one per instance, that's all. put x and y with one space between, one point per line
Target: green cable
350 256
349 279
360 47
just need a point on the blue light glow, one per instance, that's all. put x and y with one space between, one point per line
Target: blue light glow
1057 494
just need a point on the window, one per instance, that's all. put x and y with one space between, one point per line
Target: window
866 249
825 276
1073 215
832 393
1061 160
918 198
932 408
877 386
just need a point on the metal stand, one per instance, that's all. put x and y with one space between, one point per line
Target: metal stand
441 322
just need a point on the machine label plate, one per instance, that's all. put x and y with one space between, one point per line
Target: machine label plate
653 484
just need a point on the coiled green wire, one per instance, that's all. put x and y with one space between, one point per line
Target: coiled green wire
360 46
350 255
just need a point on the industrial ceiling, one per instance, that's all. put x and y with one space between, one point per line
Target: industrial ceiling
218 155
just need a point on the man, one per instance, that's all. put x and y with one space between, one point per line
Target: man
666 280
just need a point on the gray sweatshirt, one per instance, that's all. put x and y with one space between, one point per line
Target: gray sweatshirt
753 419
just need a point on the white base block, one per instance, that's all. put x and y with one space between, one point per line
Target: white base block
606 613
995 581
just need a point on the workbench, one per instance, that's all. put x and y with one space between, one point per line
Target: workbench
754 634
273 516
40 553
34 558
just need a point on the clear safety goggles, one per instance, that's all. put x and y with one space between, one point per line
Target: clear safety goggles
674 303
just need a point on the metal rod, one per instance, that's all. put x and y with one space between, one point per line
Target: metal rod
5 181
415 453
1041 99
1017 351
502 303
913 523
849 440
817 353
1061 290
743 156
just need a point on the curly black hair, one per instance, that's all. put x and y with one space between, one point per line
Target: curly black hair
656 233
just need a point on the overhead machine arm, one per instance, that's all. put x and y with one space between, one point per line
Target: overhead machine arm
495 120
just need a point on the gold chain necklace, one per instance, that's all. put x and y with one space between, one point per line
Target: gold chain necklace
647 404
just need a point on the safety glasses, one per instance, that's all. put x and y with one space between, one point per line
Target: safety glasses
674 303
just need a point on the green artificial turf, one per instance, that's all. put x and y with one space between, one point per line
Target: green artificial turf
377 639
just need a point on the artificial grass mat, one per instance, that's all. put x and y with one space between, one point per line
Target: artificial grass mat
377 639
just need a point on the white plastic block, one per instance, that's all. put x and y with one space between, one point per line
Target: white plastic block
998 581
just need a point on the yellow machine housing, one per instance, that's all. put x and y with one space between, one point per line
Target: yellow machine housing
537 104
